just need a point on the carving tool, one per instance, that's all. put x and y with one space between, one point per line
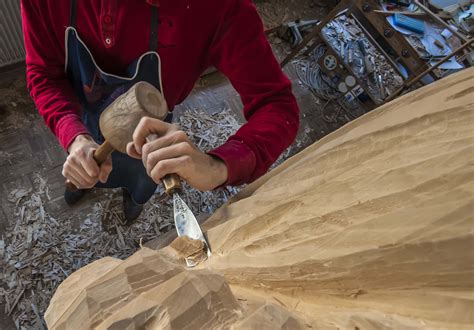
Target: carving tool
184 219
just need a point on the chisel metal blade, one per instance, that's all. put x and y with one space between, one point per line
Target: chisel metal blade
187 225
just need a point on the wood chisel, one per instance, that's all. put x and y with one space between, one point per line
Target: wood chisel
184 219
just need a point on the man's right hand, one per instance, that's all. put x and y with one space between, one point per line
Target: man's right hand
80 167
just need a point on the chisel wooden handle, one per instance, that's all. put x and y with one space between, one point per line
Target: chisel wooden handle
100 156
172 183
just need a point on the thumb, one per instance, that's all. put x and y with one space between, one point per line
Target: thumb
145 127
132 152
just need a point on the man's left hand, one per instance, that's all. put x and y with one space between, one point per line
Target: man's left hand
173 152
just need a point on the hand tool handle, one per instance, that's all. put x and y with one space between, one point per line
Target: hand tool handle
100 156
171 182
103 152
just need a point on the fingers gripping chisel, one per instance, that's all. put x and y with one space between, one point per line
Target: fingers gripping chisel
184 219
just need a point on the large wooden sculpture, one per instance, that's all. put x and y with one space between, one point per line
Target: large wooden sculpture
370 227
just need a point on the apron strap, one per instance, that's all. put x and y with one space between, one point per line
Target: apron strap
72 13
153 29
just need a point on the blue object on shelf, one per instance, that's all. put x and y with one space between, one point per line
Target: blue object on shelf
409 23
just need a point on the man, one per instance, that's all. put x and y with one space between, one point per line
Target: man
82 54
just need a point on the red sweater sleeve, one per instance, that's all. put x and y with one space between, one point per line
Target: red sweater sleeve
46 80
242 52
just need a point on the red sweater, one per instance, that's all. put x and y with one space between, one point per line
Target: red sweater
193 35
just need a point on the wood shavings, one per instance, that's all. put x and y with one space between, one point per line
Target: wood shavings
15 302
191 249
208 131
276 12
6 158
17 194
2 248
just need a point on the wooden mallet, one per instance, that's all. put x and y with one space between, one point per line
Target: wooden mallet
119 120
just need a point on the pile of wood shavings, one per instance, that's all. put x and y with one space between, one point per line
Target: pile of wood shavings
32 260
5 158
39 251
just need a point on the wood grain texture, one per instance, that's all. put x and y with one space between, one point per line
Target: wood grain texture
118 122
370 227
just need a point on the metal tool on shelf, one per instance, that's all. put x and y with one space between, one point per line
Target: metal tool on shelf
293 31
369 68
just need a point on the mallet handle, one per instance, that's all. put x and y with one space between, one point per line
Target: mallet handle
100 156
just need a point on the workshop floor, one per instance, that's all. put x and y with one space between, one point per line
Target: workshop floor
28 148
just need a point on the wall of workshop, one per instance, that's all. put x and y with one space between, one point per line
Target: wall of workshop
11 36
